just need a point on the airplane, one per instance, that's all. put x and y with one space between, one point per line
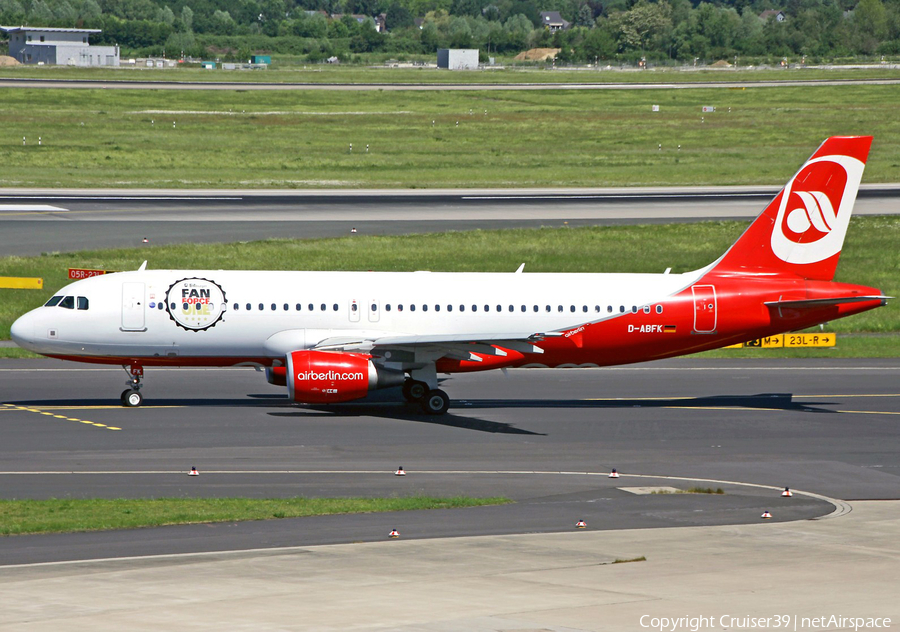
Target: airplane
333 337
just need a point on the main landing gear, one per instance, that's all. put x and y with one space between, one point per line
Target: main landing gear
433 401
131 396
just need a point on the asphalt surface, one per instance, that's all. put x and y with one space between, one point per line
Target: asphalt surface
544 438
262 85
34 222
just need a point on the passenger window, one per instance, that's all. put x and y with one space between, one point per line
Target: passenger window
334 307
659 309
646 309
400 307
248 307
449 308
462 308
621 309
535 309
311 307
559 309
297 307
286 307
523 308
68 302
235 307
261 307
273 307
634 309
53 302
322 307
474 308
437 308
412 307
584 308
163 306
499 308
82 302
609 309
353 307
572 308
388 307
597 308
425 308
547 308
374 307
487 308
511 308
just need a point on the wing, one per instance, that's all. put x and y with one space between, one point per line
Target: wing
433 347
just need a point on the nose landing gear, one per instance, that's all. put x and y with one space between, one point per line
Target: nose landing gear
131 396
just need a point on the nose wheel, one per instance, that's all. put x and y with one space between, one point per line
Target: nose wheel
131 396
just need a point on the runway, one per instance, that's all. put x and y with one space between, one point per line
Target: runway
263 85
34 222
545 438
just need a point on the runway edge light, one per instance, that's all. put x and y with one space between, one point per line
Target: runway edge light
787 493
394 534
581 524
766 515
193 472
400 471
614 473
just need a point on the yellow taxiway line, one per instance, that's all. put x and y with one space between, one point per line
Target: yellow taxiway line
28 409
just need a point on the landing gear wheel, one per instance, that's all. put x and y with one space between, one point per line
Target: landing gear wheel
414 390
436 402
132 398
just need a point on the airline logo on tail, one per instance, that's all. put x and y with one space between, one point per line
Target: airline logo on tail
815 209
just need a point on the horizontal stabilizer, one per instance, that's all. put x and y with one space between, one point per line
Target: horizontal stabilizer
823 302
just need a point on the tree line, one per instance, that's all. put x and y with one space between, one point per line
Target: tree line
599 31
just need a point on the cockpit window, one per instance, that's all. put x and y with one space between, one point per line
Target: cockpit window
82 302
53 301
68 302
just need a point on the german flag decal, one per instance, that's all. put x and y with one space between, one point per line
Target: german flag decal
669 329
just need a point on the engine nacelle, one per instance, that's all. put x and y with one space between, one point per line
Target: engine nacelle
276 375
327 377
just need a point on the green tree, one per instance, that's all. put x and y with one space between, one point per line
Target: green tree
398 17
187 17
165 15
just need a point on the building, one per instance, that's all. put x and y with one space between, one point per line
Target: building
553 21
458 58
58 47
772 13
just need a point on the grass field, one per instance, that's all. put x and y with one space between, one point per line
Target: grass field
19 517
870 257
321 73
557 138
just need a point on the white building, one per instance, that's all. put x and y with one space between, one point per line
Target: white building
458 58
58 47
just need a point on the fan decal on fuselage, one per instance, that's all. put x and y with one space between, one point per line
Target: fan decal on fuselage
195 304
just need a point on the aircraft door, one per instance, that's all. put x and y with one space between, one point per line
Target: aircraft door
353 312
704 308
374 310
133 307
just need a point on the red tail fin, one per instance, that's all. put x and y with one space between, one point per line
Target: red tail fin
802 230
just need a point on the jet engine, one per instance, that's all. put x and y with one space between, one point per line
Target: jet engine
327 377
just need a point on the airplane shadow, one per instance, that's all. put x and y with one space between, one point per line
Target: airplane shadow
398 410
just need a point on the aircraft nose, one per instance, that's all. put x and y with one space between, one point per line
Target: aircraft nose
22 331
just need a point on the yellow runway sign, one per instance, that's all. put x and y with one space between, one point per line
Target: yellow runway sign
791 341
21 283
